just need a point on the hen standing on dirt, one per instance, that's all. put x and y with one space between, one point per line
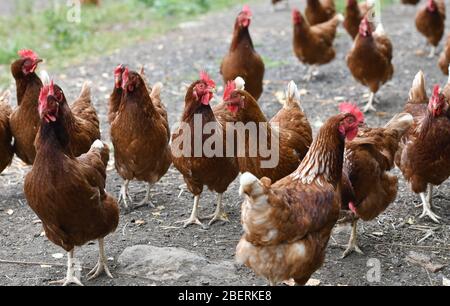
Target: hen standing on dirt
370 59
424 155
242 59
140 133
313 45
198 170
288 224
25 118
430 21
369 188
6 149
68 193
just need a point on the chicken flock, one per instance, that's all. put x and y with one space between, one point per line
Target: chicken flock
289 210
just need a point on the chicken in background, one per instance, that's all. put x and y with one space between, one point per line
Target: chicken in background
80 119
319 11
444 59
424 153
66 192
287 224
275 4
25 120
242 59
354 13
293 132
313 45
367 161
370 59
430 22
140 133
6 148
91 2
199 169
411 2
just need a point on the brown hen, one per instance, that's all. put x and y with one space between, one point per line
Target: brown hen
287 224
6 148
66 192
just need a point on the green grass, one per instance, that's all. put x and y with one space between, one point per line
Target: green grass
102 29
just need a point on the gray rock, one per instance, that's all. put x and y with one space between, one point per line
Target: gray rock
170 264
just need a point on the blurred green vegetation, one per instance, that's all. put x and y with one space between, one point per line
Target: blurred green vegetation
101 29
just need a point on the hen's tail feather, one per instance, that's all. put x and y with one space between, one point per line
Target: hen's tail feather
85 93
103 148
418 92
156 91
400 123
292 95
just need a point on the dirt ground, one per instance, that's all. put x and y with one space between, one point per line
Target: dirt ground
175 59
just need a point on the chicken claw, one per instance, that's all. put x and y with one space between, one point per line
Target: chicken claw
353 244
369 106
101 265
146 201
432 52
124 195
219 214
193 219
70 277
427 211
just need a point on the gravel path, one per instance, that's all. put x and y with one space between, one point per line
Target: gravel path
175 59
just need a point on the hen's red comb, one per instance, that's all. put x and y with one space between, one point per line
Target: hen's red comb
205 78
350 108
231 86
46 90
26 53
119 69
436 90
246 9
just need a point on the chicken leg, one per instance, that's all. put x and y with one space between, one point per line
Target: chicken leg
193 219
432 52
102 264
352 243
124 195
369 106
146 201
426 203
220 213
312 71
71 277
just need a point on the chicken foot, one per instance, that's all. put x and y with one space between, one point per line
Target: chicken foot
352 243
432 52
124 195
369 106
146 201
102 264
70 278
193 219
426 203
313 71
219 214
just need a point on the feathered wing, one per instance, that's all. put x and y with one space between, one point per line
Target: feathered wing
327 30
